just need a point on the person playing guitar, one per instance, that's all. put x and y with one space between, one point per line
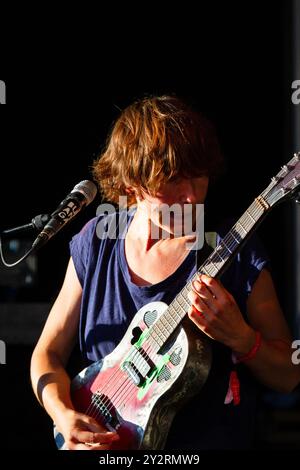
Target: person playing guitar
160 153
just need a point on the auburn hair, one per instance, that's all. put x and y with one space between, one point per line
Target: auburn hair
156 140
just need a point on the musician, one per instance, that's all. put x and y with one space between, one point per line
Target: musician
160 151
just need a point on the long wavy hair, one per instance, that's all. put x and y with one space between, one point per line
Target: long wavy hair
156 140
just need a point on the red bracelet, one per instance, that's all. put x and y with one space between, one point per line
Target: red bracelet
251 353
233 393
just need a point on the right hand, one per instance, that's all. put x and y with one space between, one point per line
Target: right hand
81 432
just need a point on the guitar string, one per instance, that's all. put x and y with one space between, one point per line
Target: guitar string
122 393
125 391
247 223
134 352
115 378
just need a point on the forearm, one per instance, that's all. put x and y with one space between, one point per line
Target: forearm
51 383
272 364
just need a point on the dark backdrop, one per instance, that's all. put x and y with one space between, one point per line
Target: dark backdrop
231 61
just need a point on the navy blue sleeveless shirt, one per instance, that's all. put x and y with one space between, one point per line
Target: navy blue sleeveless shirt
110 300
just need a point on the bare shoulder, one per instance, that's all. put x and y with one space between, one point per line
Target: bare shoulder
60 331
264 310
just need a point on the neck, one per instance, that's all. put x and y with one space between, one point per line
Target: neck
147 234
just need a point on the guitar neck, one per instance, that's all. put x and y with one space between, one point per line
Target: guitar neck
213 266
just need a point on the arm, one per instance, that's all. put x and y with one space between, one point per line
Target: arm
216 313
50 380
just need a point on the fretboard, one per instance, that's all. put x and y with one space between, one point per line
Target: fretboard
214 266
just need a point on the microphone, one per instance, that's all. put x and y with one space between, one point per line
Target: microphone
82 195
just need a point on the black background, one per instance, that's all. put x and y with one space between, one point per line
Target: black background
66 81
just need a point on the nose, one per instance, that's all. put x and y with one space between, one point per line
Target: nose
188 192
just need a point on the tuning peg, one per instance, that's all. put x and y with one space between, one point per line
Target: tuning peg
275 179
297 155
295 180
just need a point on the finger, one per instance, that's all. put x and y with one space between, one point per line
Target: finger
78 446
197 317
214 287
106 437
205 294
82 446
100 447
92 425
200 305
94 438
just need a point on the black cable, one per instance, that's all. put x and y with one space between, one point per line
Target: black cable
11 265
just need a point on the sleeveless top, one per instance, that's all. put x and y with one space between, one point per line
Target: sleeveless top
110 300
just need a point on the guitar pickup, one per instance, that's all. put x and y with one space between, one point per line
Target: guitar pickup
138 366
132 372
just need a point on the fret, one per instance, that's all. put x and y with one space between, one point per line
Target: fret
176 303
164 324
170 317
227 248
182 298
235 239
205 271
158 332
238 222
158 341
247 212
217 264
209 270
217 253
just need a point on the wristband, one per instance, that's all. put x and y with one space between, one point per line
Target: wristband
251 354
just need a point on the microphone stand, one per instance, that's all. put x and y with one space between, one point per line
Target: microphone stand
37 224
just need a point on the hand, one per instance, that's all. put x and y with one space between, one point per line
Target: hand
81 432
217 314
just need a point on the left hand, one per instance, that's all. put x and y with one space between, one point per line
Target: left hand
217 314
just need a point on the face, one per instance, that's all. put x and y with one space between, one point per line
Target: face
184 197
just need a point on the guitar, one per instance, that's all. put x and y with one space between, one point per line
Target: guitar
163 359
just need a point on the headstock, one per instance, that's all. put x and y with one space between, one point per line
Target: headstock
286 184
